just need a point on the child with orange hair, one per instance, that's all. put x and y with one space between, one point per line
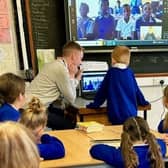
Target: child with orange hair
120 89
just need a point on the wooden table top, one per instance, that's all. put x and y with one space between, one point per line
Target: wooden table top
81 104
77 144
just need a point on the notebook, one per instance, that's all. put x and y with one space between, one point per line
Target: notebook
110 142
90 83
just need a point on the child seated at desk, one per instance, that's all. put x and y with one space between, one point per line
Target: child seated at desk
163 125
120 89
138 147
35 118
12 96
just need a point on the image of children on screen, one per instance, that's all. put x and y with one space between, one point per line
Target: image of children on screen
119 19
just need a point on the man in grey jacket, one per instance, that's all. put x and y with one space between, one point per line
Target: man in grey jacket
58 79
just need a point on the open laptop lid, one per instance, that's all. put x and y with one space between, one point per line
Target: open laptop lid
90 83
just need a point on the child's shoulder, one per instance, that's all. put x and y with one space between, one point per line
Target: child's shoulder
117 70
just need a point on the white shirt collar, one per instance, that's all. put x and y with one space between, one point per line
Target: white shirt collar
120 65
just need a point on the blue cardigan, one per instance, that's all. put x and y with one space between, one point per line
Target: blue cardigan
122 93
7 112
51 147
160 127
113 156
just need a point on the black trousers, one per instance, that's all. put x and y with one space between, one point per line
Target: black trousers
57 119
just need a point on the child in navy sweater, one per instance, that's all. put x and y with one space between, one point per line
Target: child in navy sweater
163 125
138 148
12 96
35 118
120 89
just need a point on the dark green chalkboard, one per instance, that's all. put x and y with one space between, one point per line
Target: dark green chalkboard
48 24
151 62
142 63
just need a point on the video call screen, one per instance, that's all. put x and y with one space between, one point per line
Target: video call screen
92 81
118 22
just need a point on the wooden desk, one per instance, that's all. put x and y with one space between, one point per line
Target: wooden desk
100 114
77 145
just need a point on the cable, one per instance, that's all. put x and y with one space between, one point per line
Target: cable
153 101
163 106
161 85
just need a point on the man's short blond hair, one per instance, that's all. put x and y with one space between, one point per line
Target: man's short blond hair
71 46
121 54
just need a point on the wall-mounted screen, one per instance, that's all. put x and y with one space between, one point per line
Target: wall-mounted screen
102 24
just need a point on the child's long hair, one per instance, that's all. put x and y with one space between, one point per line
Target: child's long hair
165 101
34 115
137 129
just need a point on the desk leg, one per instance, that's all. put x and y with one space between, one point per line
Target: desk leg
145 114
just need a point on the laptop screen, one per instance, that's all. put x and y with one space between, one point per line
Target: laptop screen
91 82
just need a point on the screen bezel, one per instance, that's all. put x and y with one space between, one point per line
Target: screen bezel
91 74
109 49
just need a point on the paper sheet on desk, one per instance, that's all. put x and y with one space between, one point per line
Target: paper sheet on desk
110 142
94 66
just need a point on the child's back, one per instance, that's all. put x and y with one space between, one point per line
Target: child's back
138 148
120 89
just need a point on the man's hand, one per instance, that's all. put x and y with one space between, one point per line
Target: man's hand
79 74
73 69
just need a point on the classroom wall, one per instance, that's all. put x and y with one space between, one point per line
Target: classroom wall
9 62
154 95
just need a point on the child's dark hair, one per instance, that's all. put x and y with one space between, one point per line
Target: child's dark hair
137 129
11 86
34 115
165 100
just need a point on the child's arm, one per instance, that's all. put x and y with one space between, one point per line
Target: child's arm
101 94
51 147
139 95
160 127
163 147
108 154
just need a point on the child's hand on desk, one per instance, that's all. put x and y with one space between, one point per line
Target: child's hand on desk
41 159
165 138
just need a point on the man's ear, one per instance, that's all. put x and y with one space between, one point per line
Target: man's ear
21 96
73 57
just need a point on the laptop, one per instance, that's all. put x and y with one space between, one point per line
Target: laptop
90 83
